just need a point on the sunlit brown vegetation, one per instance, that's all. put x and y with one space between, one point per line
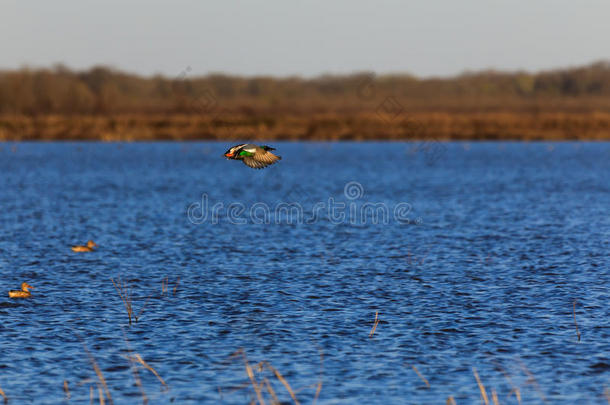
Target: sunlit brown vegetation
106 104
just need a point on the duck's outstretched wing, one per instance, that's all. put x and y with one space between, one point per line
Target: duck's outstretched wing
260 159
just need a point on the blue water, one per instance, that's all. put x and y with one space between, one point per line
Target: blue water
493 245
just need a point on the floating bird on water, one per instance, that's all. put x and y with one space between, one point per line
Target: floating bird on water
89 248
23 293
252 155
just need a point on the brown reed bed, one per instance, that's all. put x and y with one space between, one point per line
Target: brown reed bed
365 125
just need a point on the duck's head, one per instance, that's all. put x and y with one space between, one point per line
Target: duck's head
25 286
91 244
230 154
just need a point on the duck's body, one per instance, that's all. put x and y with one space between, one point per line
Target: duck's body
88 248
254 156
23 293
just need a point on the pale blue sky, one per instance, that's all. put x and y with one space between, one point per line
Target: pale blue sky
287 37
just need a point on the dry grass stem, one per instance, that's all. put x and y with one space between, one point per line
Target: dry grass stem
250 373
142 309
271 391
481 386
421 376
319 388
176 285
514 389
125 293
375 324
137 379
134 369
281 378
263 386
66 389
517 394
532 380
494 397
137 358
101 394
575 324
164 284
122 288
100 377
3 395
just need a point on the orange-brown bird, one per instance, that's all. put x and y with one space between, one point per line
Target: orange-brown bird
89 248
23 293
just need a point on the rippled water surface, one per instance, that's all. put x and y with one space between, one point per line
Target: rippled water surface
494 245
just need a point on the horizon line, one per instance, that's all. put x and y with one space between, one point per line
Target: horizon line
465 72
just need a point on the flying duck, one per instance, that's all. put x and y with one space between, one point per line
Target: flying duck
89 248
252 155
23 293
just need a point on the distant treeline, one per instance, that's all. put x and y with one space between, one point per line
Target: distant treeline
106 104
102 90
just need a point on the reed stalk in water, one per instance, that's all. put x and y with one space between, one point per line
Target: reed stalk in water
514 389
66 390
494 397
134 369
176 285
4 396
481 386
375 324
125 294
575 324
421 376
102 381
261 384
138 359
532 380
253 381
281 379
319 387
164 284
